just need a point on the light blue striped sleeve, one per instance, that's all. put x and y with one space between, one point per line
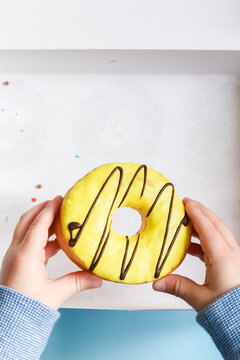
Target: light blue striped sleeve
25 325
221 320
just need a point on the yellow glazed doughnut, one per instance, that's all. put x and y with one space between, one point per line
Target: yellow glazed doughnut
84 230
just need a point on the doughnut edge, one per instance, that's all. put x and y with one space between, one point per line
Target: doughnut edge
64 246
185 254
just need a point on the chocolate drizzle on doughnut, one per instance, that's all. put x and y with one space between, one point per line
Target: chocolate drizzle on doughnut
131 182
103 242
124 269
104 239
73 226
184 222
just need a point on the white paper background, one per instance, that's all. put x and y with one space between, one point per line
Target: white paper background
185 126
125 24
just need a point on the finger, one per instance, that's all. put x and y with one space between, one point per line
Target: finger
194 233
37 233
51 230
25 221
181 287
218 222
210 237
196 250
51 249
69 284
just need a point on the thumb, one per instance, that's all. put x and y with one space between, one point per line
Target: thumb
180 286
74 282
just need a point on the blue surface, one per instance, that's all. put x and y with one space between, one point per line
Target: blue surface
129 335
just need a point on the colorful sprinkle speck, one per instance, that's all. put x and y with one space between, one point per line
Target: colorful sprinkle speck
2 109
21 130
34 199
5 83
77 156
6 219
38 186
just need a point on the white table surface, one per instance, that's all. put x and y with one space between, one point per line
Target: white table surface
183 125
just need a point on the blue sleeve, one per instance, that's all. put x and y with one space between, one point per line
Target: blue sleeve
25 325
221 320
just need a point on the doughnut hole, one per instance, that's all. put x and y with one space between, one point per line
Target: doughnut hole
128 221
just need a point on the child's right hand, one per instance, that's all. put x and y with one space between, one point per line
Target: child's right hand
220 252
24 264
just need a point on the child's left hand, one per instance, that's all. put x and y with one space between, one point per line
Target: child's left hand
24 264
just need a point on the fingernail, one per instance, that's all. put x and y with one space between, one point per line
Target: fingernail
95 283
159 285
58 196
